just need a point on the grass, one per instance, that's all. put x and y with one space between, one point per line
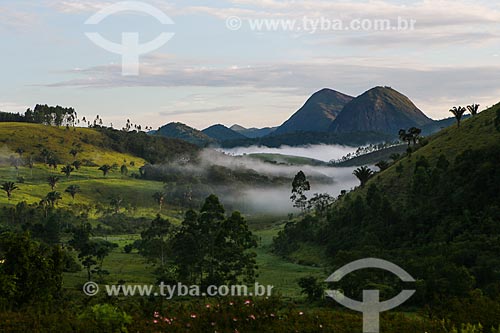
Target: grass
474 133
96 190
32 138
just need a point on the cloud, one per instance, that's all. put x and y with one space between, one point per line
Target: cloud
16 19
201 111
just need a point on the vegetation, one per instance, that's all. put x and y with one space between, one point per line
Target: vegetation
437 217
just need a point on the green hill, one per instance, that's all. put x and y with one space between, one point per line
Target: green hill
186 133
435 213
93 147
222 133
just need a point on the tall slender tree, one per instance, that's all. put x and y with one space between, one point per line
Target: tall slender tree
473 109
9 187
458 112
53 180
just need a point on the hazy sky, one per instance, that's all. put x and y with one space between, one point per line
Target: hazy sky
216 71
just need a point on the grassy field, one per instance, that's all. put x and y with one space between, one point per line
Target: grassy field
97 191
133 268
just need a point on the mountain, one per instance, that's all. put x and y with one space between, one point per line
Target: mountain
354 139
317 113
222 133
253 132
381 109
186 133
438 125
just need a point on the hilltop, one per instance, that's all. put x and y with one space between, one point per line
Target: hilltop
184 132
381 109
222 133
22 144
317 113
253 132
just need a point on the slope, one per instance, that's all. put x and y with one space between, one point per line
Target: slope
222 133
381 109
317 113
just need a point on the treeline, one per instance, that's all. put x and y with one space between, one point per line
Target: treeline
43 114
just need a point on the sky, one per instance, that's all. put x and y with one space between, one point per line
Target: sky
250 62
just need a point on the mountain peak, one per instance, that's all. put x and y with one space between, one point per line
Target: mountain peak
317 113
222 133
380 109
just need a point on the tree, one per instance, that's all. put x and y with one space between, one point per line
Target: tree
382 165
300 185
363 174
473 109
155 243
405 137
124 170
458 112
53 197
67 170
311 287
73 190
52 161
30 272
90 251
414 132
116 203
320 202
77 164
53 180
9 187
105 169
395 157
73 152
212 249
159 198
16 162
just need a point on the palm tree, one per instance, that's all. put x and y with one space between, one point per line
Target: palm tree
363 174
382 165
9 187
458 112
53 162
77 164
159 198
105 169
473 109
73 152
67 170
72 190
116 202
53 180
53 197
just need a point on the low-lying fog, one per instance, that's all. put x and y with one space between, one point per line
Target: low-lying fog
276 200
318 152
